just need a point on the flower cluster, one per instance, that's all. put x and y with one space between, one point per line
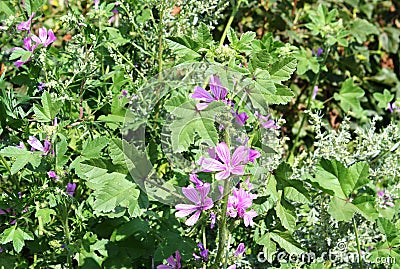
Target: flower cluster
45 38
239 203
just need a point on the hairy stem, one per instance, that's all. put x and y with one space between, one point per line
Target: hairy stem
222 226
360 259
229 23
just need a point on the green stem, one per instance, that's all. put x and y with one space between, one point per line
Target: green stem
303 120
222 226
227 251
4 162
203 231
160 41
360 260
228 24
64 221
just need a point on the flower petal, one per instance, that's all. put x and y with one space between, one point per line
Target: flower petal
223 152
222 175
42 35
35 143
240 156
193 219
211 164
192 194
218 91
204 190
202 94
184 210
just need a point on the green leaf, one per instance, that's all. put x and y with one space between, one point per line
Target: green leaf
349 96
390 39
191 121
286 241
232 37
20 53
203 36
356 178
361 28
384 98
388 228
45 214
269 248
341 210
175 102
49 109
33 5
327 176
7 8
93 147
283 95
116 191
17 236
261 59
244 44
262 81
185 47
286 214
366 207
116 37
61 149
306 62
22 158
282 69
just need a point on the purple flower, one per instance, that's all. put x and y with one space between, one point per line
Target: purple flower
198 196
26 25
266 122
392 107
45 37
36 144
52 174
233 266
241 118
96 4
1 250
71 188
172 264
238 203
41 85
218 93
5 211
193 177
319 52
114 17
21 145
227 166
213 219
253 155
248 218
315 91
28 47
240 249
203 253
123 94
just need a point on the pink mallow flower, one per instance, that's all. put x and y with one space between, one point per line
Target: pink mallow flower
172 264
37 145
240 249
226 165
96 4
198 196
52 174
238 203
26 25
218 93
266 122
28 47
45 37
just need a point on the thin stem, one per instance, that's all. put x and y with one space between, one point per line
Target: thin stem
203 231
222 227
360 260
160 41
227 251
64 221
303 120
229 23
